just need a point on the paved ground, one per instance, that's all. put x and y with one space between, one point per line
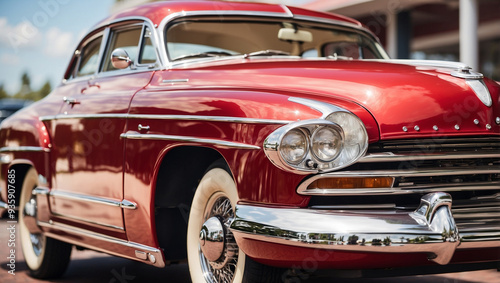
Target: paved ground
94 267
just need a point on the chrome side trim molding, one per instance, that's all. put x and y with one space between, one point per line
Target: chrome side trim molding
166 117
137 136
24 148
175 81
41 191
47 118
128 204
84 116
86 198
85 233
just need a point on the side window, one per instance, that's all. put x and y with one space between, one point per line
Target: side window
89 58
126 39
148 53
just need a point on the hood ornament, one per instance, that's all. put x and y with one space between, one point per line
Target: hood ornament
475 81
465 72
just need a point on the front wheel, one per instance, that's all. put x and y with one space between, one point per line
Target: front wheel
45 257
213 254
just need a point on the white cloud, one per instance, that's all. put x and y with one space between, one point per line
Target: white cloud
9 59
59 43
23 35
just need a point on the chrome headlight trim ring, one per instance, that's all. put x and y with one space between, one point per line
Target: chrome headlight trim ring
351 129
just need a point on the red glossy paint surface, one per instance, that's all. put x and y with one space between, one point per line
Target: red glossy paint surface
395 95
88 153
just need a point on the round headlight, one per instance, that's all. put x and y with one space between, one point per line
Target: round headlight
326 143
355 136
294 146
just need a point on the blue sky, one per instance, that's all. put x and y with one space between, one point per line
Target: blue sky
39 36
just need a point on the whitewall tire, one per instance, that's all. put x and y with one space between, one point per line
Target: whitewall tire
211 214
45 257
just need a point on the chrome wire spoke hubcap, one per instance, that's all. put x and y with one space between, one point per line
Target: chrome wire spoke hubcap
30 220
36 243
217 248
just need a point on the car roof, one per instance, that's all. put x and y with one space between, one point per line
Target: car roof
158 11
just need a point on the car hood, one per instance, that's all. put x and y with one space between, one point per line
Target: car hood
407 101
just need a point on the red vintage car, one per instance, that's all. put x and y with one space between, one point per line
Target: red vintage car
255 141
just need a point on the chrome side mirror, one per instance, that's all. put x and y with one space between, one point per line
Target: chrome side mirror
120 59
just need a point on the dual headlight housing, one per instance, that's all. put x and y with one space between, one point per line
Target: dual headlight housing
318 145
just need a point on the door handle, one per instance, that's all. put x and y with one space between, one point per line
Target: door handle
70 101
143 128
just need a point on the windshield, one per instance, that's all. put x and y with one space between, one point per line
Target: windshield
214 38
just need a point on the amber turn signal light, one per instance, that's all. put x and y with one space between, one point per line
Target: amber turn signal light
352 183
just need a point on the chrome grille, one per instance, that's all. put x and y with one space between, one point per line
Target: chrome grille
467 169
422 166
447 164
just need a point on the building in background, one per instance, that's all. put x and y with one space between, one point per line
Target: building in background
453 30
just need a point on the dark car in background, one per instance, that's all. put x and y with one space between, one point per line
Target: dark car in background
9 106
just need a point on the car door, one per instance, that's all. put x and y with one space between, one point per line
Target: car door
88 150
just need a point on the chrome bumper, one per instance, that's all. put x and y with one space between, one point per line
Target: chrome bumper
429 229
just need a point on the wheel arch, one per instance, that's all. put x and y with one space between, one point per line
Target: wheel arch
178 175
21 167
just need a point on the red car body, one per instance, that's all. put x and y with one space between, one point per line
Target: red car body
118 155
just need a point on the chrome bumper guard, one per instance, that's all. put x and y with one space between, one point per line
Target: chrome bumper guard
429 229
